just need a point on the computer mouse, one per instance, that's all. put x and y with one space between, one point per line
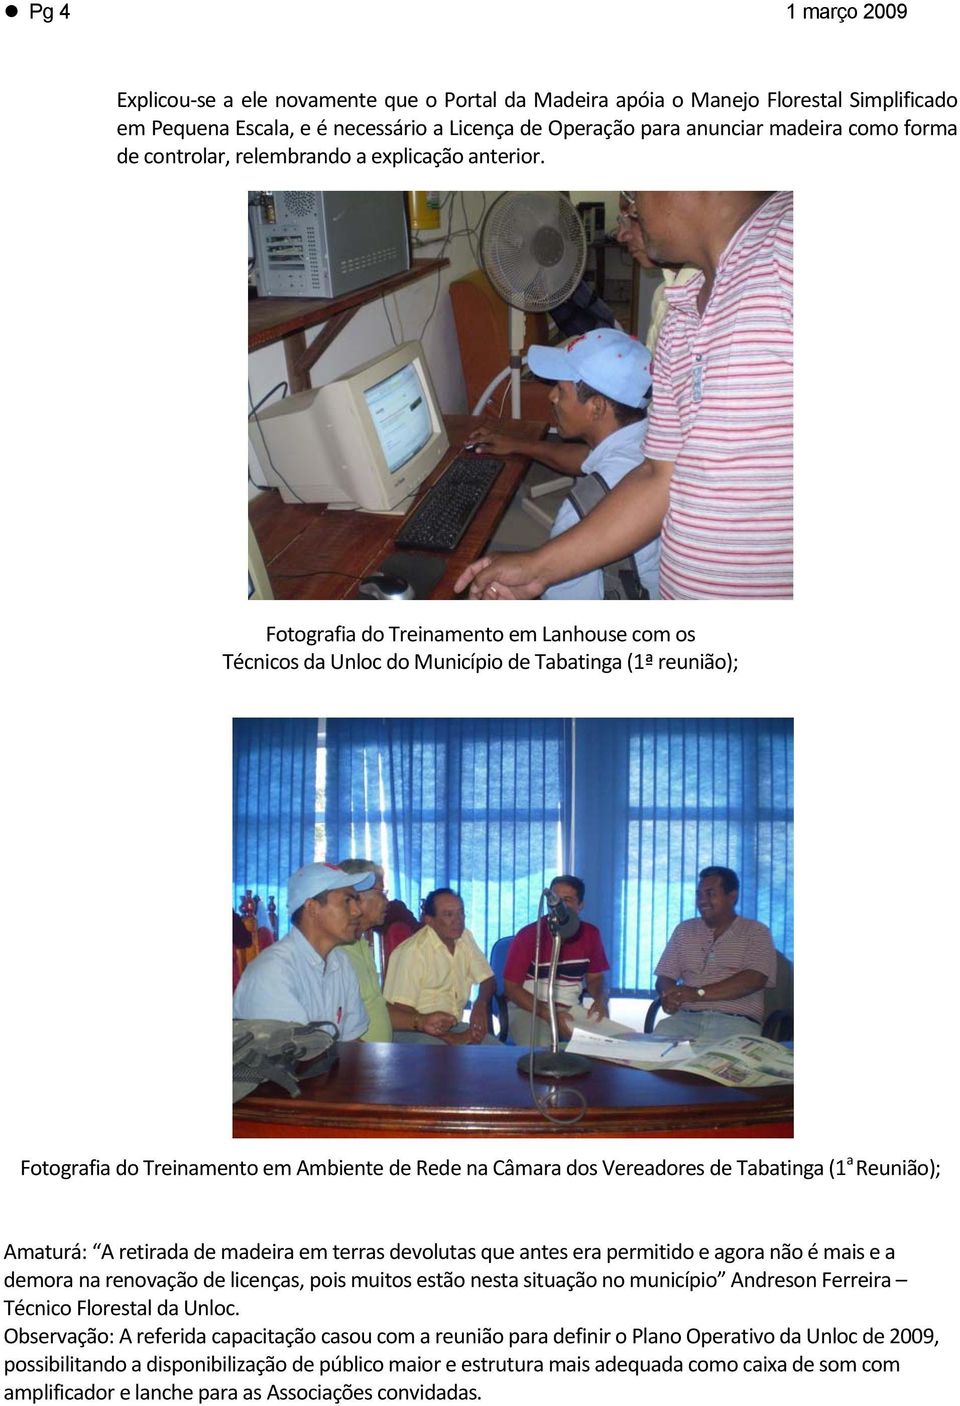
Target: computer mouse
385 587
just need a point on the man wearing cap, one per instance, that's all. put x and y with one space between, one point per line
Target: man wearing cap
306 976
430 976
602 386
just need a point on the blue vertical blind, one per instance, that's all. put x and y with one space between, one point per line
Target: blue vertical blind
476 804
485 806
274 805
657 801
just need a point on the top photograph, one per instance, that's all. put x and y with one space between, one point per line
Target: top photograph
518 395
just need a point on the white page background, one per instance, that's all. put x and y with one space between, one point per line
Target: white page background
125 439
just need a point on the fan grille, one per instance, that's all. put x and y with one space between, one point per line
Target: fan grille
534 249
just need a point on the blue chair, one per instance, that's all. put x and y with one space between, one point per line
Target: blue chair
778 1003
498 960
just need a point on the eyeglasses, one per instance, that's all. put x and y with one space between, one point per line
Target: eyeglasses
628 216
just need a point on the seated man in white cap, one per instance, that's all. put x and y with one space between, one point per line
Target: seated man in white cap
601 393
600 397
306 976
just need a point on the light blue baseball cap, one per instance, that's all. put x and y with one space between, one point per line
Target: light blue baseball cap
314 879
612 362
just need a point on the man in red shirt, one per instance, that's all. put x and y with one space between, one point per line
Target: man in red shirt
582 964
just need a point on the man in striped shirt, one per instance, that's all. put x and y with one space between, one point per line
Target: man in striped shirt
717 479
715 968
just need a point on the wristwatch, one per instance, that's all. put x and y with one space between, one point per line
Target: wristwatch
701 992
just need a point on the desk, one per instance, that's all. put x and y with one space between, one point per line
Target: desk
297 538
476 1091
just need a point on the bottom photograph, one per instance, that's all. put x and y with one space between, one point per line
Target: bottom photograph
513 927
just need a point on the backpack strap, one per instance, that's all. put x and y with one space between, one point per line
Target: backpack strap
620 579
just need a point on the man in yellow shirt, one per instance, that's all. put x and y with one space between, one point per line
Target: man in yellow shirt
431 974
373 906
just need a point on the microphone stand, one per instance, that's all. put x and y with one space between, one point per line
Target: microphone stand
553 1063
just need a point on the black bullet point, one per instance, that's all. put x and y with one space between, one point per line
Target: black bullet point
11 10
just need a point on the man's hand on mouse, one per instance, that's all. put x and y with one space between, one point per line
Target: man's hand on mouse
487 441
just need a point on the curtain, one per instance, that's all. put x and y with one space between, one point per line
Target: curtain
475 804
274 805
494 808
659 799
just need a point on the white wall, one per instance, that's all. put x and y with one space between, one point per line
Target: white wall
368 334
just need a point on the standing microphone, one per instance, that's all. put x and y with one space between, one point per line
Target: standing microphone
553 1063
568 924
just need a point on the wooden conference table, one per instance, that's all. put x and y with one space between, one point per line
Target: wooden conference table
296 539
477 1091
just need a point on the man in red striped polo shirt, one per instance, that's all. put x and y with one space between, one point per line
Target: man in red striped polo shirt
717 479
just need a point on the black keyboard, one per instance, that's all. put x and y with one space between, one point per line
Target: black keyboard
447 511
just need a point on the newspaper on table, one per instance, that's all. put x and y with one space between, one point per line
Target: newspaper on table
739 1061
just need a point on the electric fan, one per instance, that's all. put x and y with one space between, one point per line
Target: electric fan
533 249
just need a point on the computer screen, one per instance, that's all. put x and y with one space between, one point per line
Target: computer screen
366 440
401 416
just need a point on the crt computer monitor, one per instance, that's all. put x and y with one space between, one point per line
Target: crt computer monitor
366 440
